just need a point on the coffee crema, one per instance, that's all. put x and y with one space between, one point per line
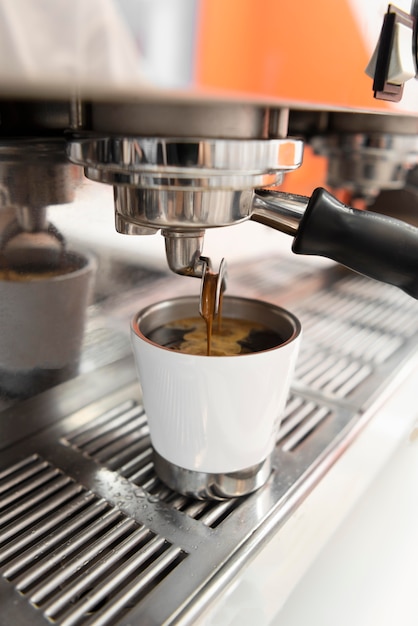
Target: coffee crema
232 337
31 273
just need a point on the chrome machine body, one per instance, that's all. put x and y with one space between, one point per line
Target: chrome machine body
198 119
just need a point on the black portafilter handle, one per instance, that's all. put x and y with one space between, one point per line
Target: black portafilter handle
378 246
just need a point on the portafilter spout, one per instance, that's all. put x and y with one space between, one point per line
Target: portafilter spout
378 246
183 252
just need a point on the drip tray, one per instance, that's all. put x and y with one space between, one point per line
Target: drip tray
89 535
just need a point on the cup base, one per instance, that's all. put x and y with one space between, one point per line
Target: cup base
207 486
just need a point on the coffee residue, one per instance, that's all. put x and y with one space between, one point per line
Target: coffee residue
30 274
236 336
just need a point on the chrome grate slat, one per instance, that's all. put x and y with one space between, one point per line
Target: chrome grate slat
98 438
214 515
133 456
296 411
20 472
58 502
316 417
19 467
90 576
114 439
130 592
352 382
370 345
300 419
68 569
63 550
27 479
58 528
139 455
39 495
358 286
144 476
85 433
116 447
355 302
349 335
334 375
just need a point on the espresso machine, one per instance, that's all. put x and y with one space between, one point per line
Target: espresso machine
200 115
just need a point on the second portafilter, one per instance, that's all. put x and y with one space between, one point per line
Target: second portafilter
44 285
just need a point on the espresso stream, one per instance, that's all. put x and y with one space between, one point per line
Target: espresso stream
215 335
208 306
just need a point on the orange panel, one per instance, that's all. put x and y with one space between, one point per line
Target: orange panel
311 174
305 51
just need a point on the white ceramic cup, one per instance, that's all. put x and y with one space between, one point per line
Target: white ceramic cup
214 419
42 326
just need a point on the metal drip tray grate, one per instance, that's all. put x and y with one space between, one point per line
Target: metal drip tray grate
88 533
73 555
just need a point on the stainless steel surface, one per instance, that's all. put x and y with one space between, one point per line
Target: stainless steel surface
282 211
89 535
155 162
179 118
204 486
181 209
182 215
183 252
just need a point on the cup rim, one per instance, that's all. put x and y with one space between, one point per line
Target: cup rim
146 312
